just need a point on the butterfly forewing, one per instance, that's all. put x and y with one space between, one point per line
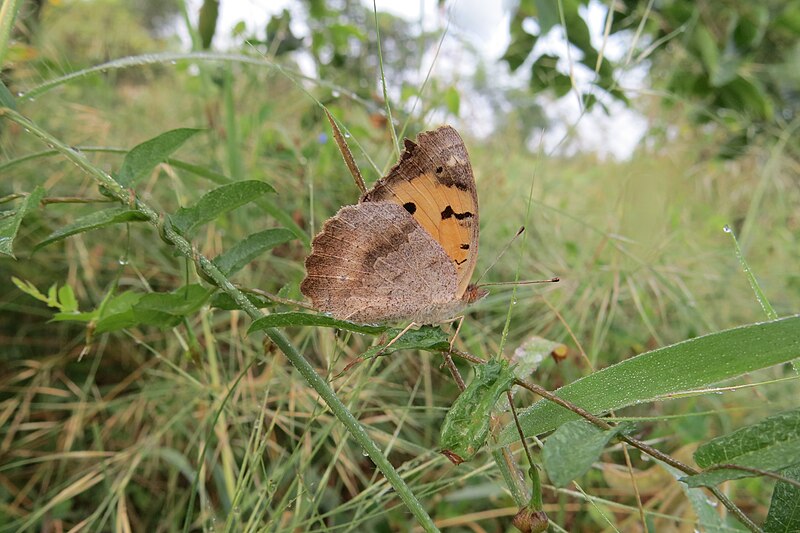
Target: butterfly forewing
433 181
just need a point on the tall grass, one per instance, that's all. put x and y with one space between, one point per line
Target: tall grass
116 439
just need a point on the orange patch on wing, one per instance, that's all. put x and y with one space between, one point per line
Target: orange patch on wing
448 214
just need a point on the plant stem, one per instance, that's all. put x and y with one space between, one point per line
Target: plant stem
322 388
8 14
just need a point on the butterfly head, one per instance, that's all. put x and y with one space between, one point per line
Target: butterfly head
474 293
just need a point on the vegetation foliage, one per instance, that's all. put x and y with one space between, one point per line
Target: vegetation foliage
155 375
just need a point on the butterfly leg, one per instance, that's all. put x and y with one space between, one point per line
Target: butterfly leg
458 328
396 337
448 359
379 352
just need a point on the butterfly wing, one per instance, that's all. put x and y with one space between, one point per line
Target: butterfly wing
372 262
433 181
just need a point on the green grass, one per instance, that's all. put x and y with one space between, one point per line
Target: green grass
117 437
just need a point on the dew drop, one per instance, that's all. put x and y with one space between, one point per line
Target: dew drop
335 94
726 228
346 135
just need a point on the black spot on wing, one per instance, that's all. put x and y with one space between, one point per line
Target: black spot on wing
411 207
465 246
449 213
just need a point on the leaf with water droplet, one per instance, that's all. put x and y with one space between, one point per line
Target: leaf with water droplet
282 320
654 375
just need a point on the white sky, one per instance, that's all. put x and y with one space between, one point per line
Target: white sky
484 24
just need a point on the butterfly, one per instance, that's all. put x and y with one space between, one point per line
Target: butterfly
407 250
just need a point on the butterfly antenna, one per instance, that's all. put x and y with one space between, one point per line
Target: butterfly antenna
502 252
347 155
500 255
526 282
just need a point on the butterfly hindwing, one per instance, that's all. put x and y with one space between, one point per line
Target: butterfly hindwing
371 262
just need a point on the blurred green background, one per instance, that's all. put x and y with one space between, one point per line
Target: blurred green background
622 141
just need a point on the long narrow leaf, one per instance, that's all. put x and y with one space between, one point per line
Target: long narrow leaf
98 219
687 365
282 320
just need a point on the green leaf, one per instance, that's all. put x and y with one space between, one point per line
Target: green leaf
427 338
95 220
143 158
164 310
750 29
62 298
207 22
115 305
283 320
67 300
6 98
547 15
452 100
521 44
273 210
687 365
707 515
704 47
747 97
570 451
545 75
30 289
216 202
10 226
466 426
772 444
181 302
243 252
784 509
789 18
222 300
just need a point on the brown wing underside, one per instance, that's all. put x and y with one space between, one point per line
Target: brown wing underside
372 263
434 182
